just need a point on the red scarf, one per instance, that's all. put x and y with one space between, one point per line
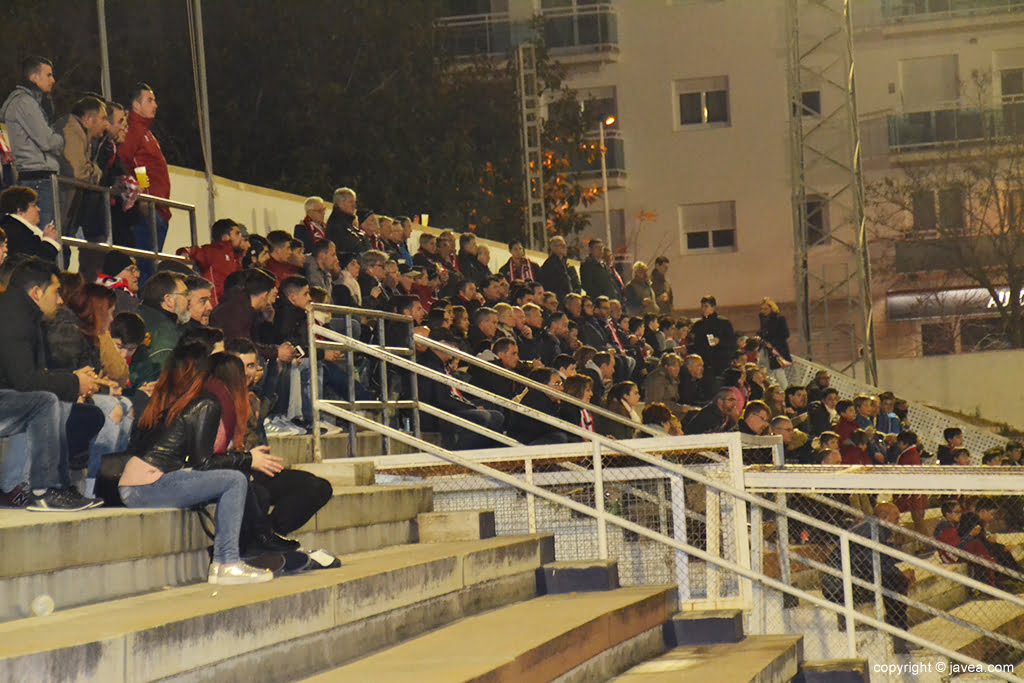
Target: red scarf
318 231
586 420
523 271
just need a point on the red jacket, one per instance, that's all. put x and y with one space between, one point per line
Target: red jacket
281 270
140 148
215 261
855 456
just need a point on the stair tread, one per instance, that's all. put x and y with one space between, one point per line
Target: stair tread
112 619
734 662
989 614
478 645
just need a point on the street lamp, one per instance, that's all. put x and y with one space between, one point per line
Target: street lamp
604 183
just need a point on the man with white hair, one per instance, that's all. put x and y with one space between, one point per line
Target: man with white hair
313 227
342 228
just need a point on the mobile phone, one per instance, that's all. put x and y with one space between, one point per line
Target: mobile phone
299 352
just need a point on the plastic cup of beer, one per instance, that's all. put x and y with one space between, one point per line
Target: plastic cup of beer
142 177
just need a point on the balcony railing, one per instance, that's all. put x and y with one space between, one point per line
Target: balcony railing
927 10
566 29
590 163
944 127
590 26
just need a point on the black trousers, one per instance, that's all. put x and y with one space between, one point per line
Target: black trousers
290 498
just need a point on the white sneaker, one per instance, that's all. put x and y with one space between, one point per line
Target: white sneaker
279 426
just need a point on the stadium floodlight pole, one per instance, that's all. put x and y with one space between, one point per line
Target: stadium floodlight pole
101 15
604 183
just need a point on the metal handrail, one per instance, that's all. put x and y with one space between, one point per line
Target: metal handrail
741 498
108 245
529 383
847 609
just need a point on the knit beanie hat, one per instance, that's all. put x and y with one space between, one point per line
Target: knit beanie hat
114 262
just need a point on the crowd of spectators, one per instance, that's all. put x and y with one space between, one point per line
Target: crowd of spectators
182 366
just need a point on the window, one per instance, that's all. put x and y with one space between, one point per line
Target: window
930 83
603 103
1012 84
618 221
938 210
707 227
810 104
817 219
702 102
937 339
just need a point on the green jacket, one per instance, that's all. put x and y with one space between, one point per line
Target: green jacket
164 332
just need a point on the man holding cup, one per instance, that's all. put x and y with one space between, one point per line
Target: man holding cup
141 151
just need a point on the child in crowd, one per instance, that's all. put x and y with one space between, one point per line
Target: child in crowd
954 438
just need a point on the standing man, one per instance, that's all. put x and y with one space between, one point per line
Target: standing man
86 123
36 146
341 226
556 275
141 153
596 277
714 340
313 227
661 286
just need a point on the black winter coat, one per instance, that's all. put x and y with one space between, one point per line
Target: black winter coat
186 442
23 350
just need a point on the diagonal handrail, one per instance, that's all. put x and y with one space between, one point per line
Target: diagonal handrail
844 535
847 610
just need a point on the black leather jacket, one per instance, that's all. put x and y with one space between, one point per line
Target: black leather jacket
188 441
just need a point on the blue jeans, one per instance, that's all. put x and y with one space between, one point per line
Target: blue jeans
185 488
113 437
144 240
43 188
33 421
335 378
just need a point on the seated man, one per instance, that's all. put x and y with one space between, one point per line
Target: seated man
717 416
451 399
954 438
280 264
120 273
164 309
662 385
221 257
62 426
862 567
972 527
290 497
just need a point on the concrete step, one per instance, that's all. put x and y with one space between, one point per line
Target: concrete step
537 640
704 628
578 576
281 630
299 449
88 557
834 671
756 659
342 471
461 525
995 615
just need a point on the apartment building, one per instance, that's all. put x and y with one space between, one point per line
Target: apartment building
699 158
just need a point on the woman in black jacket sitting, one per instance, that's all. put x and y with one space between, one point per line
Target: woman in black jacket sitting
530 431
178 428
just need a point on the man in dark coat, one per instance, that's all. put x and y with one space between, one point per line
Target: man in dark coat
469 266
341 226
595 276
714 340
717 416
556 275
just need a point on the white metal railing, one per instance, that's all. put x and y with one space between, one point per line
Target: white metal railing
726 501
926 422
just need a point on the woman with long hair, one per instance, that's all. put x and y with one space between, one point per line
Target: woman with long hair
80 337
622 399
774 334
177 430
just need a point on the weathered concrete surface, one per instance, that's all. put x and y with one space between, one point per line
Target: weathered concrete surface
617 658
834 671
342 472
361 505
536 640
757 659
463 525
170 632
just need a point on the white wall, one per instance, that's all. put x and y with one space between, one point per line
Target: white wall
982 383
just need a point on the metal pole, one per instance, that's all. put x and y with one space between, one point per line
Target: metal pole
314 389
351 367
602 526
604 192
57 222
101 15
531 500
415 386
848 605
203 101
384 385
757 615
876 566
713 542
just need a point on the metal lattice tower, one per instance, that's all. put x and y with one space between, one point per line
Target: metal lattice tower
832 266
533 173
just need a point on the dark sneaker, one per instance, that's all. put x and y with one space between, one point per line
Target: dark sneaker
58 500
76 497
18 497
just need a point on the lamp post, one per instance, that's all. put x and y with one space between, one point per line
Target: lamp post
604 183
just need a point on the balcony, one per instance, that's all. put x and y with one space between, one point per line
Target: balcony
941 128
573 34
615 158
929 10
581 30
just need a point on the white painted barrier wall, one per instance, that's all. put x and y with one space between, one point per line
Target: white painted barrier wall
987 383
